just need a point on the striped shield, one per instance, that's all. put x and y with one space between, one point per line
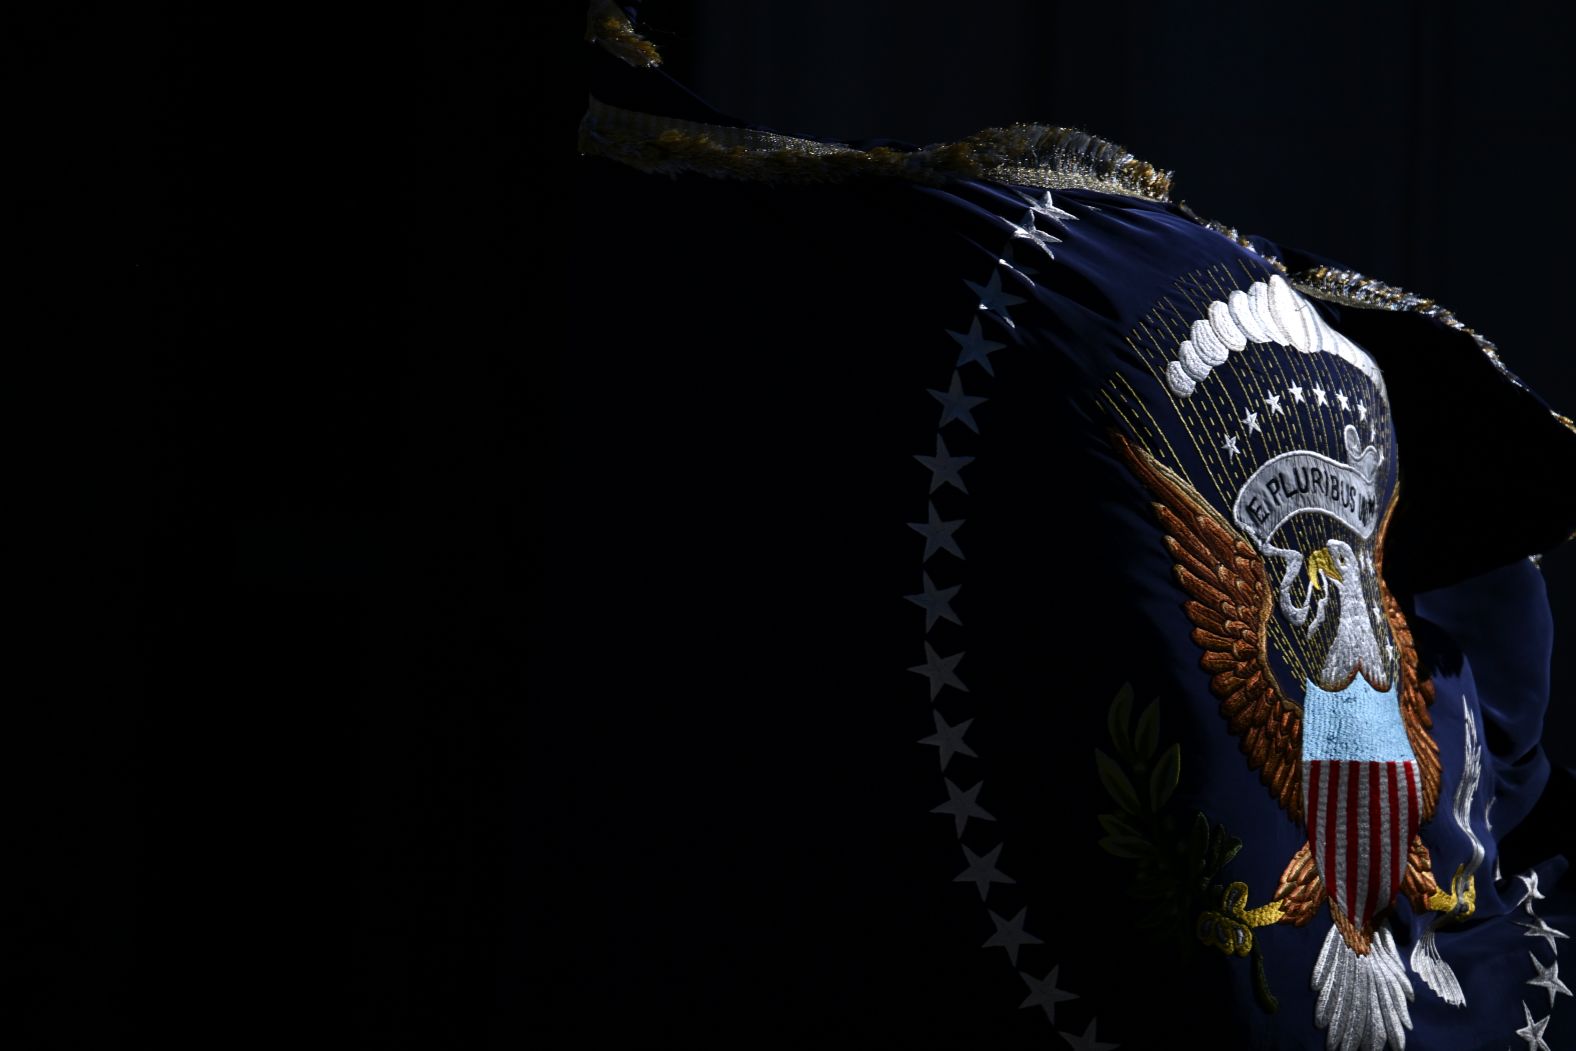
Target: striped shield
1362 815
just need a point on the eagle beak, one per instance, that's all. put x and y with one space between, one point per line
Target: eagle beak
1320 562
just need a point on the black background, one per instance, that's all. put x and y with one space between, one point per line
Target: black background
287 401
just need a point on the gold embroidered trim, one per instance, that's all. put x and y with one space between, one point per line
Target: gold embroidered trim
1350 288
1027 154
1231 234
607 25
1353 289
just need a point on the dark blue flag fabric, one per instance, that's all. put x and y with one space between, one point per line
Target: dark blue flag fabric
1008 610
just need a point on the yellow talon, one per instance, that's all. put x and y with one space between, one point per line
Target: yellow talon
1461 901
1468 897
1264 915
1231 928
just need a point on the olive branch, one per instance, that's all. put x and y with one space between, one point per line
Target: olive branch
1176 862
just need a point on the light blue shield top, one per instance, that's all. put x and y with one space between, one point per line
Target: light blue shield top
1358 723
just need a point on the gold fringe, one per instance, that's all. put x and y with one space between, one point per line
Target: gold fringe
1350 288
1231 234
1027 154
606 24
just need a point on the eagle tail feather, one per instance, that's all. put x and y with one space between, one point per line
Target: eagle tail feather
1362 1004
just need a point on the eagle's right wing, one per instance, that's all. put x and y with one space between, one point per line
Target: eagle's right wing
1229 603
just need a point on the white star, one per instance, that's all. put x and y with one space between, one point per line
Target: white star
1087 1042
982 871
1362 411
995 300
938 534
1044 993
1295 392
1010 934
1273 401
949 739
1544 931
1340 396
1230 445
1378 613
1548 978
1318 394
1024 230
1373 433
936 602
1043 206
975 347
1532 893
956 405
939 670
944 467
1251 422
962 806
1532 1032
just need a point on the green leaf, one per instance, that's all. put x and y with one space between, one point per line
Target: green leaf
1146 737
1200 832
1163 779
1117 786
1116 825
1232 846
1124 846
1119 717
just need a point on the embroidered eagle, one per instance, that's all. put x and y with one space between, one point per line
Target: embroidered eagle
1355 764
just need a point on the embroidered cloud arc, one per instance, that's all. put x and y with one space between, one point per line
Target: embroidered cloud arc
1268 312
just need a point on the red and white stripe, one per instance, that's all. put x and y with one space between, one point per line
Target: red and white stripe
1361 818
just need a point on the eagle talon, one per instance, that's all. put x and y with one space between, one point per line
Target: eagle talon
1230 928
1461 901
